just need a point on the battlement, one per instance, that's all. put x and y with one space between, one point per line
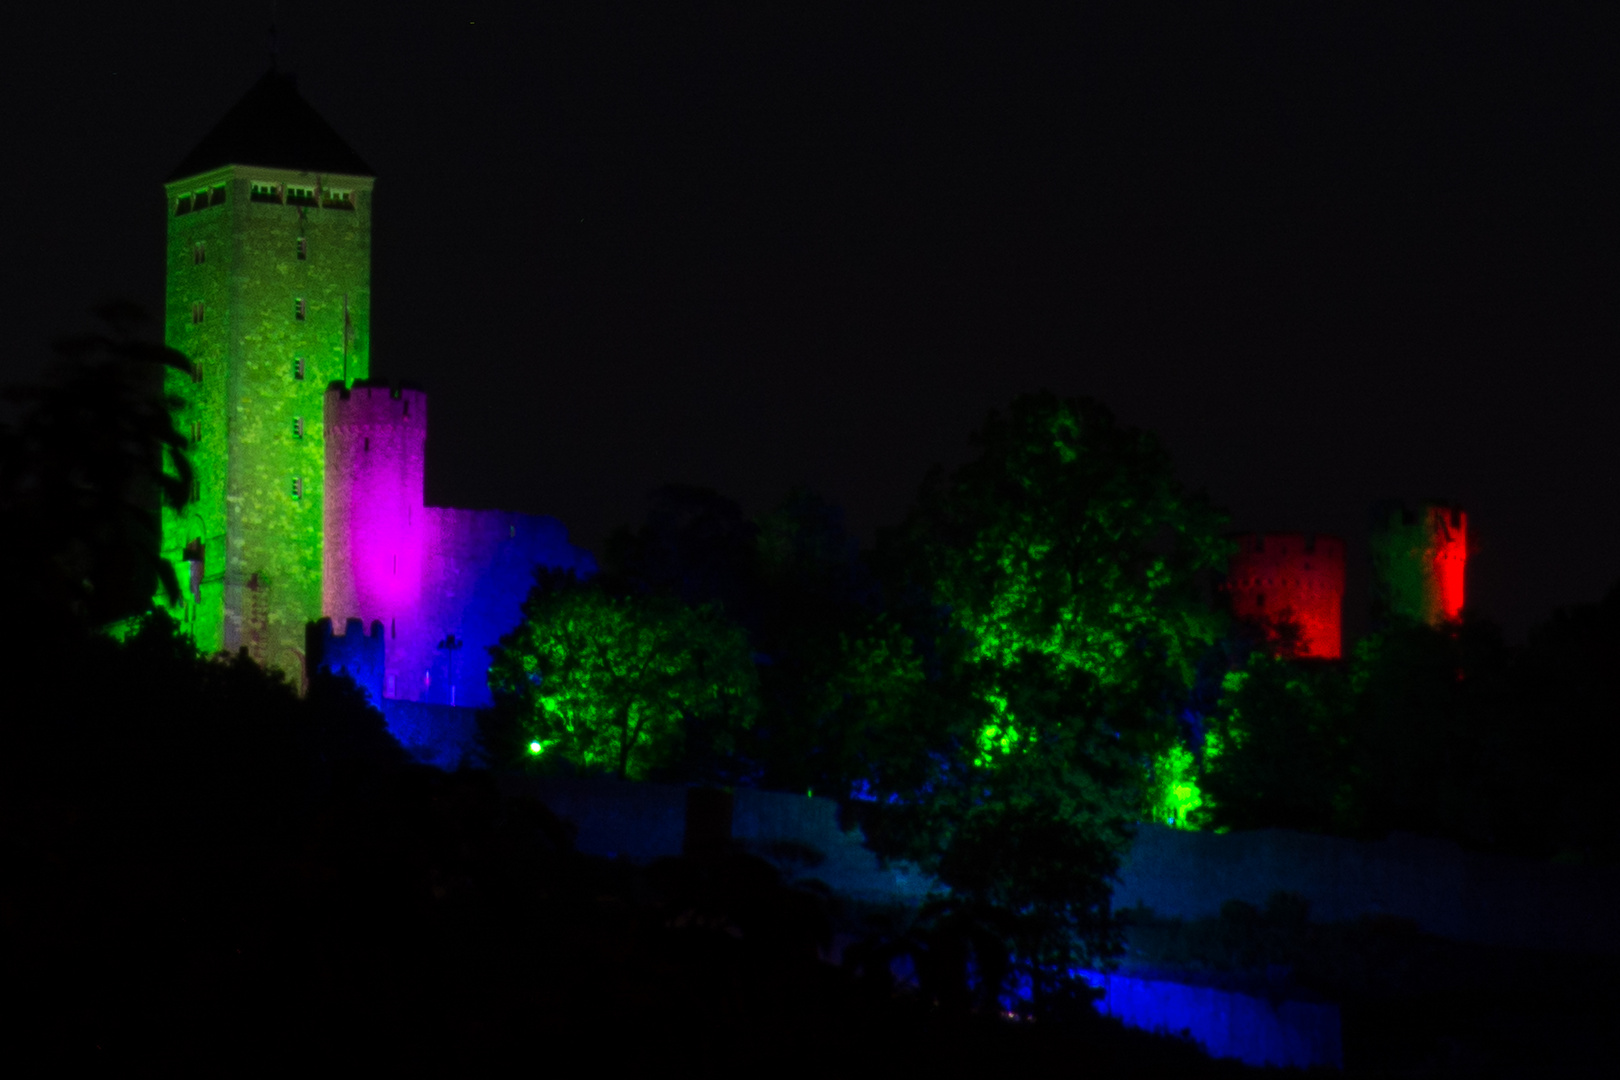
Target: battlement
1291 578
375 405
361 655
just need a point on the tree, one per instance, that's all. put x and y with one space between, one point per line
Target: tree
1066 620
82 474
1070 536
626 683
1278 747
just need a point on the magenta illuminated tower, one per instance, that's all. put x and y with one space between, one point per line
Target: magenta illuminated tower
375 525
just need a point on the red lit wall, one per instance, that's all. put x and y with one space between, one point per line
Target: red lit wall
1420 559
1448 529
1280 578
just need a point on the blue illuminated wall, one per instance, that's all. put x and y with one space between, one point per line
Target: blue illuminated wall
356 653
445 584
1254 1030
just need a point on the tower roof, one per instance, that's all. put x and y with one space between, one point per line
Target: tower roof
273 126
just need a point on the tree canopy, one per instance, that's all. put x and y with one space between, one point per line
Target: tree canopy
623 683
1070 535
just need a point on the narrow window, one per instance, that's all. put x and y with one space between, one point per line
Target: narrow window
196 314
196 432
196 488
298 427
298 368
298 487
196 372
199 255
182 205
303 249
216 197
299 309
365 443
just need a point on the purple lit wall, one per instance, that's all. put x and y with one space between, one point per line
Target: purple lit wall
431 576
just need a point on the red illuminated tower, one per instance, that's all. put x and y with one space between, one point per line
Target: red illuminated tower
1419 559
1278 579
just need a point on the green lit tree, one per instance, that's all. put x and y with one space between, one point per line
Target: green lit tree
1066 618
1070 537
620 682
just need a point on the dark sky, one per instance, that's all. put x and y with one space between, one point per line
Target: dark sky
1330 253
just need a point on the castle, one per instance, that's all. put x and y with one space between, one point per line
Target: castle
308 500
308 497
1419 558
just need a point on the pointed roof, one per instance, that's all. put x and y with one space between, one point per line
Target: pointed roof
273 126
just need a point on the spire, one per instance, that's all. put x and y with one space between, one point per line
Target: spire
273 126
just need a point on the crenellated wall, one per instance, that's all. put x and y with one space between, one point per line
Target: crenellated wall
1277 578
445 583
355 652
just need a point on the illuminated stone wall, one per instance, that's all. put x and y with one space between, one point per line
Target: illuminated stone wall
432 576
272 307
1290 577
1420 558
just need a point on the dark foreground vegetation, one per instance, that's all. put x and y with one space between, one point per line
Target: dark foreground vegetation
202 864
199 867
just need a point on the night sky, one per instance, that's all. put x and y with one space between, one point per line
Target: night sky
1330 253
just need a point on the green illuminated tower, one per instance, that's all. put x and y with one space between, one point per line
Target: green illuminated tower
269 294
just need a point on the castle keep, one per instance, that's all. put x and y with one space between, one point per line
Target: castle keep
308 498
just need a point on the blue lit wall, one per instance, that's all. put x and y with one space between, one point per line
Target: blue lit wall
1254 1030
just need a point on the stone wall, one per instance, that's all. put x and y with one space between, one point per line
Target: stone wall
1446 891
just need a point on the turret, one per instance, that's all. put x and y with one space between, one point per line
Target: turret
1419 558
375 527
355 653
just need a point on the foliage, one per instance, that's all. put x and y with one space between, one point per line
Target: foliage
1175 797
1070 535
1026 839
624 683
1064 568
82 473
1277 746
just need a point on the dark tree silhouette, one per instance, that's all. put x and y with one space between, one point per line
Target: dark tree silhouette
83 471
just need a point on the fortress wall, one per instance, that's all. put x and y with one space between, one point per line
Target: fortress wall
1291 576
355 652
1446 891
478 567
430 575
444 736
